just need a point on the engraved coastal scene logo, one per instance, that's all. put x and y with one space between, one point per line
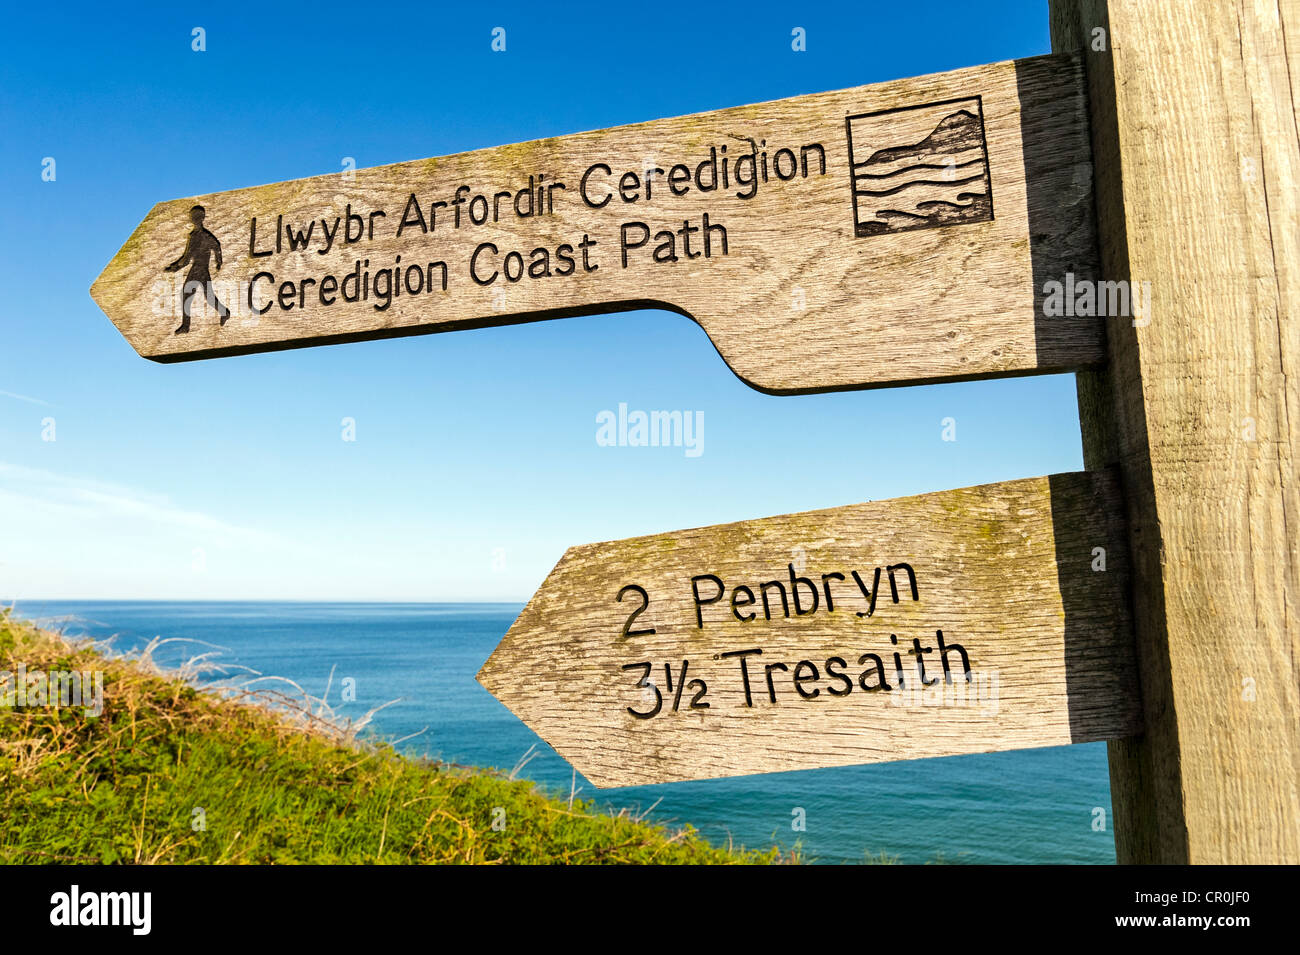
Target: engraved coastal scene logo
919 167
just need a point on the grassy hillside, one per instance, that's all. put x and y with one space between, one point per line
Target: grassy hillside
169 774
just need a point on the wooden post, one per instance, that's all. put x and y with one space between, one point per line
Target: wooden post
1194 131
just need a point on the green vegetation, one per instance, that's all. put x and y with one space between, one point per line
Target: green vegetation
170 774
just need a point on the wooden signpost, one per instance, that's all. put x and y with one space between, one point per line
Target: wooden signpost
937 228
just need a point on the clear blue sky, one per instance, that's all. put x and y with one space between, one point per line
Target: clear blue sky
476 461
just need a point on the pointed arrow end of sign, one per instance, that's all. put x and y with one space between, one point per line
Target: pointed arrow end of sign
99 294
487 674
494 674
121 287
522 673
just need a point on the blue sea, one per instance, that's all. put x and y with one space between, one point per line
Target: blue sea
1030 806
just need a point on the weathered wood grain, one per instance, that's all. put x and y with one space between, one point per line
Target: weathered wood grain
1194 113
1006 571
911 260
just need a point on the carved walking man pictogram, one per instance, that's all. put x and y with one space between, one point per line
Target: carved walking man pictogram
202 244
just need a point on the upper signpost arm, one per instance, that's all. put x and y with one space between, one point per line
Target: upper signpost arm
888 234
